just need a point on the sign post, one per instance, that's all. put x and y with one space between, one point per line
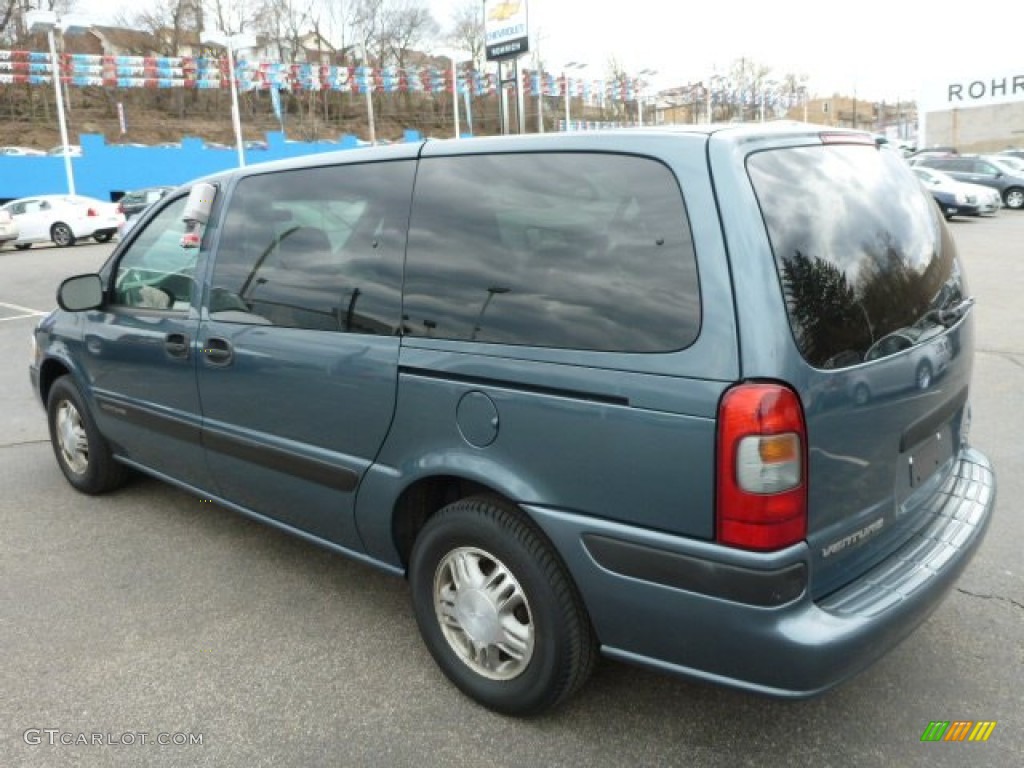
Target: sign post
506 32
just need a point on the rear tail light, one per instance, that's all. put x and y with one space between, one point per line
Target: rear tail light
91 212
120 208
762 468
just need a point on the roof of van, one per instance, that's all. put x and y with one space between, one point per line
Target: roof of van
616 139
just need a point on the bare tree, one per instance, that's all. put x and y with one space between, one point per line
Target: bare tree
794 88
617 82
9 14
283 23
748 79
230 16
368 24
172 26
12 16
406 24
467 30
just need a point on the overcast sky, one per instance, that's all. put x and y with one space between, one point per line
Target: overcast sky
880 48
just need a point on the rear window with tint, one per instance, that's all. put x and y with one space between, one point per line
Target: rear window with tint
860 248
584 251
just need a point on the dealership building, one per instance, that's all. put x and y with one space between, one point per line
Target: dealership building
982 113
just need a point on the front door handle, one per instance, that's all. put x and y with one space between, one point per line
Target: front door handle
176 345
218 351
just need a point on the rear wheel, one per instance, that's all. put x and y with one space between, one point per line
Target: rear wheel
62 235
23 246
82 453
498 610
103 237
1014 198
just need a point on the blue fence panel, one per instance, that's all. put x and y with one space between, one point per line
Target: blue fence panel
105 171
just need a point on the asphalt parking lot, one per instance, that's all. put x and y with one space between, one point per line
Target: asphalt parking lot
150 616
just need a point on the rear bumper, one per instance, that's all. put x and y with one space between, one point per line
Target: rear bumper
696 609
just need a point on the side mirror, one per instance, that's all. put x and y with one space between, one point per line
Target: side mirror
81 292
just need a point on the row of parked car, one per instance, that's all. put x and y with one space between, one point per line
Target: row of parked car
971 185
73 149
67 219
962 185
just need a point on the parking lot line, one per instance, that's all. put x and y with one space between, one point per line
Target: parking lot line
29 312
19 317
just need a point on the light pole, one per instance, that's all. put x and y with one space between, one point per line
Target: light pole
540 99
47 21
369 95
572 65
451 54
768 88
233 43
491 291
641 87
455 96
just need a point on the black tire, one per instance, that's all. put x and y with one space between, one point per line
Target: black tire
1014 198
103 237
521 568
22 246
62 235
70 422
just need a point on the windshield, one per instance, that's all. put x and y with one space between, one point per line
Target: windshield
861 251
1010 165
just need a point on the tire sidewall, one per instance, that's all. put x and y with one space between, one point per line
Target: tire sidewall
456 527
62 228
64 389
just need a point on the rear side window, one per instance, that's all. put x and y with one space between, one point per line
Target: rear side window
586 251
860 249
315 248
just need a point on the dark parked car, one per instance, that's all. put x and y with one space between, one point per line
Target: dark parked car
135 202
978 170
582 390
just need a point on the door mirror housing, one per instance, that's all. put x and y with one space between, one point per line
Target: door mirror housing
80 293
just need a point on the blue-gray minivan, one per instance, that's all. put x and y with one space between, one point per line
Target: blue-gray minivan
697 399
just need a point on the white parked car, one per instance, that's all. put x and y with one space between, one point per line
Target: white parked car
21 152
74 150
62 219
8 227
972 199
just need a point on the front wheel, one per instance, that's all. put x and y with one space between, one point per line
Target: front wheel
82 453
62 235
497 608
1014 198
